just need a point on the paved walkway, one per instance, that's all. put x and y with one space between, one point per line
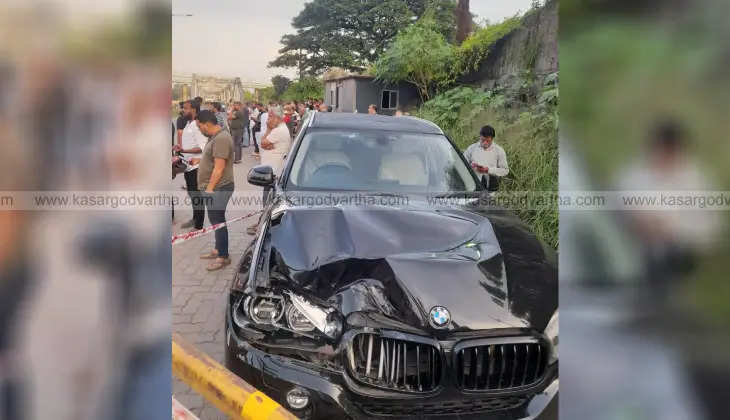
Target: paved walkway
199 296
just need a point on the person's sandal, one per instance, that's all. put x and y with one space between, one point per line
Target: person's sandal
210 255
218 264
251 230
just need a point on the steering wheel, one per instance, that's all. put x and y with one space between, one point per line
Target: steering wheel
330 175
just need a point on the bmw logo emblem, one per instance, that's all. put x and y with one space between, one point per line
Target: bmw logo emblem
439 317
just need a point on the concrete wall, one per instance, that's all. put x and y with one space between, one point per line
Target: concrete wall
358 94
532 46
347 95
371 91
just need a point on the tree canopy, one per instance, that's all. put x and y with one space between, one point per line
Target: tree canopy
303 89
419 55
280 84
352 34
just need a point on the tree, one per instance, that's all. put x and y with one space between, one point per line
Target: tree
352 34
419 55
305 88
463 21
265 95
249 96
280 84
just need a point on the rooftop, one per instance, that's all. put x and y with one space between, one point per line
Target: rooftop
336 78
374 122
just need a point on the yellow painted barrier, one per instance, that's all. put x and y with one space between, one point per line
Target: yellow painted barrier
233 396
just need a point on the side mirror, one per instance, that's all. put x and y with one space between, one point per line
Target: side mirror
261 175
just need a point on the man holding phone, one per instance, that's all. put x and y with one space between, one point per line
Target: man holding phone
487 158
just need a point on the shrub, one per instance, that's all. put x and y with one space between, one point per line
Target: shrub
475 49
526 131
419 55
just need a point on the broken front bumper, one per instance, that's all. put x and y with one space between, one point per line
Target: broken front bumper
333 394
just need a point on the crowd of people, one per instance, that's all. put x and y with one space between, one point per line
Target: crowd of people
210 138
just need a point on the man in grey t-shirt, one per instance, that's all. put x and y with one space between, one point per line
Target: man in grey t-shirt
215 180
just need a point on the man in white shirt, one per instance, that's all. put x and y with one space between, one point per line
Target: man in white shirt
275 146
670 237
254 115
487 158
193 143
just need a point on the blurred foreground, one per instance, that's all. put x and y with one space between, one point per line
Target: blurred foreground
644 294
84 296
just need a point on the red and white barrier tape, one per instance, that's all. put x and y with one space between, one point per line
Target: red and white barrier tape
179 412
176 239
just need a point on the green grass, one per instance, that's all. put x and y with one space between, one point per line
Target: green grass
526 131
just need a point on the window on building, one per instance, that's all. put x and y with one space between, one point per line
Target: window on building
332 96
337 97
389 99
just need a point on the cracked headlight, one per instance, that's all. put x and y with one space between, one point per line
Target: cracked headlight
266 309
551 331
297 321
305 316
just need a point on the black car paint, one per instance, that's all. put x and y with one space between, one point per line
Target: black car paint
383 269
401 262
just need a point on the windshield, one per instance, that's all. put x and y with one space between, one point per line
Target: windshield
382 161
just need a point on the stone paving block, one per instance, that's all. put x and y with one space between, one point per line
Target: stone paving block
202 314
181 298
212 413
198 296
192 401
181 319
186 328
203 337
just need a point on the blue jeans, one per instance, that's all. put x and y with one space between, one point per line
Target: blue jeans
216 204
245 141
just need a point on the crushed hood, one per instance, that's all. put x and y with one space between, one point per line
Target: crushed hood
393 265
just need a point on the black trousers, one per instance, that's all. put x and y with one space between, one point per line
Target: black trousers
191 181
255 143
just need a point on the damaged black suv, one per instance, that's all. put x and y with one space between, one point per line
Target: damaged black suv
382 284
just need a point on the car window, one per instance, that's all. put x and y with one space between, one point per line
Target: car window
382 161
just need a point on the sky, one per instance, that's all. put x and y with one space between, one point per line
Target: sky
232 38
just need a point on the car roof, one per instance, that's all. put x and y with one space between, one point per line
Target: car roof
373 122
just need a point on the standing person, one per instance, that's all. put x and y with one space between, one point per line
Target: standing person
246 124
215 179
256 127
670 241
301 117
180 124
193 142
221 116
373 109
487 158
302 111
237 125
263 116
275 145
289 119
